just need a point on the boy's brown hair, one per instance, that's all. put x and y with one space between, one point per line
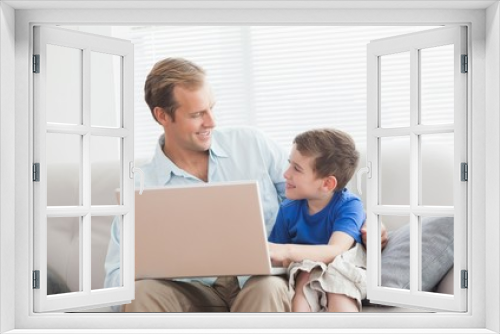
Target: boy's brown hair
164 77
334 153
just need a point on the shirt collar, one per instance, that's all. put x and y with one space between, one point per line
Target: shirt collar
165 167
216 149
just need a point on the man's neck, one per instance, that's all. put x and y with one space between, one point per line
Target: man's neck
194 163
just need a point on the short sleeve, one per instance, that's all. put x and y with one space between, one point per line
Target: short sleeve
279 233
349 218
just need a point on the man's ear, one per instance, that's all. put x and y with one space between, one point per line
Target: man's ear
161 116
330 183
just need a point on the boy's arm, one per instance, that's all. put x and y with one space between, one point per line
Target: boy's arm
384 237
339 243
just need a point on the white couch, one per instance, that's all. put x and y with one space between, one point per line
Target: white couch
63 235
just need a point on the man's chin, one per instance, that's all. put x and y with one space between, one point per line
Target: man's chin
205 146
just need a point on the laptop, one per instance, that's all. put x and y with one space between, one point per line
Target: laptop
213 229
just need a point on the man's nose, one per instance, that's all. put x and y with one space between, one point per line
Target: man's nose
209 120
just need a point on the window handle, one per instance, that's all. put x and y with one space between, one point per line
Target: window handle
365 170
132 171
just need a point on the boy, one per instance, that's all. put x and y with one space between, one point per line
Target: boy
318 228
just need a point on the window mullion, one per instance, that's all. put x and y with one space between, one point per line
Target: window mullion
85 235
415 170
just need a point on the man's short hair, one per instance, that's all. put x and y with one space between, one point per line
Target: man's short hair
334 153
164 77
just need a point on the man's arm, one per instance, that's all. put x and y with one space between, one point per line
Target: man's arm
277 163
112 264
383 234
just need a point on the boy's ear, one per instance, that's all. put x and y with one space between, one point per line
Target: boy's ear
330 183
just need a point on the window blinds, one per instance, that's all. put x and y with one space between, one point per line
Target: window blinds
281 79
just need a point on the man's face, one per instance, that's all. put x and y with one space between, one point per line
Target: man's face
194 121
301 180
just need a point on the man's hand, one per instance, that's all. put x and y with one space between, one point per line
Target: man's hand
383 235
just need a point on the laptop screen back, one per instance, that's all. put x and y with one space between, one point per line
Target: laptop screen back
204 230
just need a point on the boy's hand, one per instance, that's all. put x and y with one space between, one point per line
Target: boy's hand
383 235
278 255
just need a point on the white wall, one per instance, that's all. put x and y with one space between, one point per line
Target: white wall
7 92
492 162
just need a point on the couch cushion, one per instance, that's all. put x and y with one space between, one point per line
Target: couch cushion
437 254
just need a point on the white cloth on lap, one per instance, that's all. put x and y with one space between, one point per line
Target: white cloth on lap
345 275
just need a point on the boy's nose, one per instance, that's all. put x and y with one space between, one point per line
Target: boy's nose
286 174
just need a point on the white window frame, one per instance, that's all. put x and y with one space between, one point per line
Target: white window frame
84 211
413 44
17 215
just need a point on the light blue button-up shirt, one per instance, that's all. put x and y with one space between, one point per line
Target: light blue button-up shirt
236 154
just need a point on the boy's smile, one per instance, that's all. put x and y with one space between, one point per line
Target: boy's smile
303 183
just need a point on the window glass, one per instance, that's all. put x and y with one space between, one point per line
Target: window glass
64 85
395 258
63 169
437 85
105 90
436 253
100 234
395 170
395 90
105 154
437 155
63 255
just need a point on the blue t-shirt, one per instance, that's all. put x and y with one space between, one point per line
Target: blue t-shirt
294 224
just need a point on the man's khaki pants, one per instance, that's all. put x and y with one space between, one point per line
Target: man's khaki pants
259 294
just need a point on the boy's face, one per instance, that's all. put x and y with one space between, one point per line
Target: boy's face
301 180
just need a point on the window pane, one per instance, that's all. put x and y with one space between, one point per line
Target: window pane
100 230
395 171
105 90
63 169
437 85
63 255
105 154
395 90
395 259
437 251
437 169
64 85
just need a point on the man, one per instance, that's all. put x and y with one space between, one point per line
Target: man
191 151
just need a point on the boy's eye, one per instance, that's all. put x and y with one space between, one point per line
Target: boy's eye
295 167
